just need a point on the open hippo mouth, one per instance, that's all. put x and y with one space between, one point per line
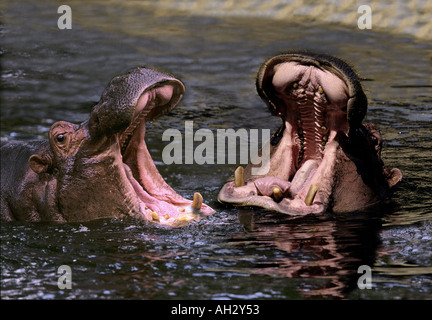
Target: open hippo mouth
157 94
321 103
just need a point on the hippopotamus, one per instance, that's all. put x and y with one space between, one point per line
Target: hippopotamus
322 158
100 168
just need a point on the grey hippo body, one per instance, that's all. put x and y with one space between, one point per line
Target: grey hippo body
323 158
100 168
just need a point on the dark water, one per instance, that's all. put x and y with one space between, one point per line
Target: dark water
50 74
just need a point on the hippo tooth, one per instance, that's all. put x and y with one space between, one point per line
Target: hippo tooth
311 194
277 194
197 201
239 177
155 216
185 218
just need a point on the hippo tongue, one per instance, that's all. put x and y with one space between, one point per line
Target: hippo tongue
302 178
148 201
150 177
266 185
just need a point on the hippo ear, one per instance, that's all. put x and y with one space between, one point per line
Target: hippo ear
40 164
393 176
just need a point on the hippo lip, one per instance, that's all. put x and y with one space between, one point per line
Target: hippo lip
157 201
313 99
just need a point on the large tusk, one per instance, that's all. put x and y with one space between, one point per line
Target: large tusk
239 177
311 194
197 201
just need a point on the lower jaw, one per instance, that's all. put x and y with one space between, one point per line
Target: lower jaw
162 212
292 206
296 197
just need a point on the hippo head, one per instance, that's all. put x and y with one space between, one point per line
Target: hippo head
102 168
322 157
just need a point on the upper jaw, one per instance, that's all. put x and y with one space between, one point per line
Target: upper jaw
120 100
356 105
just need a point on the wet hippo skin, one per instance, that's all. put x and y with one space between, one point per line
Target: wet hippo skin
322 158
100 168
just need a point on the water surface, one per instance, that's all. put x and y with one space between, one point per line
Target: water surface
50 74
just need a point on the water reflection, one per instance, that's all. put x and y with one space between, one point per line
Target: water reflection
330 250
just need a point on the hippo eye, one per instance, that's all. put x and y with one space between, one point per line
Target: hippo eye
61 138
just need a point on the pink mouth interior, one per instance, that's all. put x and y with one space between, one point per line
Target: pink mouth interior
312 104
154 194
